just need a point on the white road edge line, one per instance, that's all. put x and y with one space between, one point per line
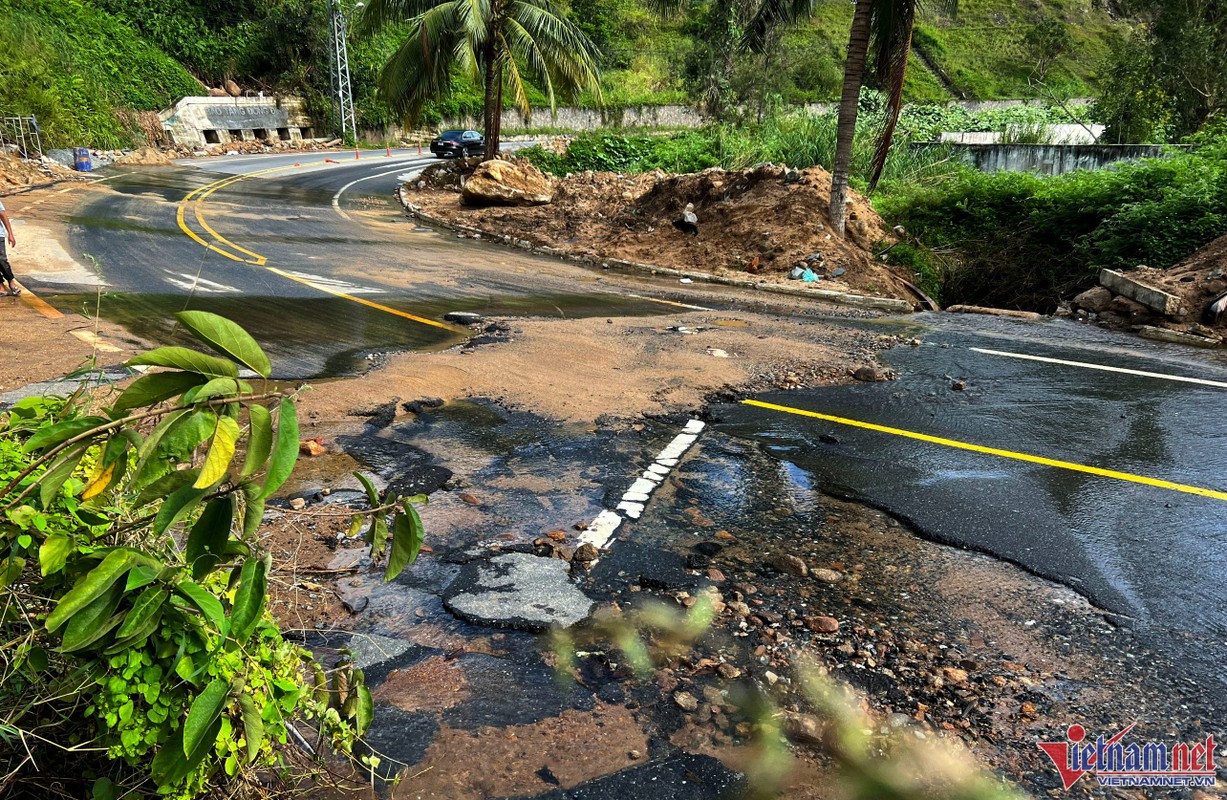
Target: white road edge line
601 530
1102 367
336 198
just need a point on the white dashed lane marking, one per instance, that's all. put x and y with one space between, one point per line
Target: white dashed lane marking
602 529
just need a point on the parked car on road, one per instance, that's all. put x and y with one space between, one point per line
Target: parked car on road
453 144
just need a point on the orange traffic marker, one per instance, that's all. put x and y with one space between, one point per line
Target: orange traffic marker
389 152
356 156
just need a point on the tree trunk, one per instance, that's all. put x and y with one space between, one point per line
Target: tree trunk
490 112
498 112
854 76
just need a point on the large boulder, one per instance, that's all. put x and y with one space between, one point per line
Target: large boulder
507 183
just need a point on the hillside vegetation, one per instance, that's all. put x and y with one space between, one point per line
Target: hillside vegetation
73 65
73 62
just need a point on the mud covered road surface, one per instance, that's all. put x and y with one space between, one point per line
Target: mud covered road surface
570 393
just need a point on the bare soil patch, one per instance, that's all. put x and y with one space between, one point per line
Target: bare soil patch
1198 280
15 172
760 222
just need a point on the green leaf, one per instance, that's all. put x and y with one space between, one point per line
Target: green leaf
188 433
406 541
378 535
259 440
141 575
61 432
165 486
372 496
206 543
176 507
170 766
249 598
94 621
285 451
187 360
364 713
151 389
218 387
253 510
227 338
205 710
253 726
103 789
221 453
53 553
91 585
59 471
147 605
10 570
203 600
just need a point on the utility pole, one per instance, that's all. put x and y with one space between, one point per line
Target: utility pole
342 91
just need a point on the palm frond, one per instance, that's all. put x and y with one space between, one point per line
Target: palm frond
667 8
891 31
378 14
770 15
421 68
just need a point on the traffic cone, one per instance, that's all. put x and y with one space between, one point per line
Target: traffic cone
389 151
356 156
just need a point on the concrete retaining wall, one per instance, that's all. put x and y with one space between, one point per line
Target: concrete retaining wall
1049 159
202 121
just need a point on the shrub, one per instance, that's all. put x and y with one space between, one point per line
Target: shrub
1025 241
138 649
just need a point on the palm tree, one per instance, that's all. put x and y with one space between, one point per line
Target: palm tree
886 27
501 43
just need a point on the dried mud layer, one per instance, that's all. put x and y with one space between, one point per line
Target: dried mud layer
757 224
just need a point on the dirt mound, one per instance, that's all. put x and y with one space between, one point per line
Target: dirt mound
1197 280
19 172
764 221
147 157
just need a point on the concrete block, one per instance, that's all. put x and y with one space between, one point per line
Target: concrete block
1167 304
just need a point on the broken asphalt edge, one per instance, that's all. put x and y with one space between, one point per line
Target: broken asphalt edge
888 304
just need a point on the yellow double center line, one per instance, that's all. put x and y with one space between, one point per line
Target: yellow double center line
224 247
993 451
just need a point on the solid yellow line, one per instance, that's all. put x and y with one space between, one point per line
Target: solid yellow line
262 261
992 451
39 304
365 302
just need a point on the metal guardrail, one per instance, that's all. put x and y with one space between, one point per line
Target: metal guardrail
23 133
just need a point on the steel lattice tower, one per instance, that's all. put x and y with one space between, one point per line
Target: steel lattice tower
342 93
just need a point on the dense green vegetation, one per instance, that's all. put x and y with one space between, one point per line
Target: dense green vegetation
139 656
72 62
72 65
796 138
1023 241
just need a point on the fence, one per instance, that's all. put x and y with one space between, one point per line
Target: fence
21 133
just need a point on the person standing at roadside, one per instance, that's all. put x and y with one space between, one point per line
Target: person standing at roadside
6 269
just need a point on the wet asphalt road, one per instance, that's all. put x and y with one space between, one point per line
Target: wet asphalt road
298 255
1154 556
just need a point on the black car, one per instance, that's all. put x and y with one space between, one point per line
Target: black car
452 144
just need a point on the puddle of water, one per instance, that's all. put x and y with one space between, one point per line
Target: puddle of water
304 337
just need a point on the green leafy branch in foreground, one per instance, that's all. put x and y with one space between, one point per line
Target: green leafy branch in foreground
133 601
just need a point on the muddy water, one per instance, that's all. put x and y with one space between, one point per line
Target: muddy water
1153 556
323 337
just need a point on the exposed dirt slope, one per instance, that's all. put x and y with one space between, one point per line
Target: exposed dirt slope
763 221
1198 279
16 172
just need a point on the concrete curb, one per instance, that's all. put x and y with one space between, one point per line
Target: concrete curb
887 304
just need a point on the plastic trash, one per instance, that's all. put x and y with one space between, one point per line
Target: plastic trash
796 273
809 276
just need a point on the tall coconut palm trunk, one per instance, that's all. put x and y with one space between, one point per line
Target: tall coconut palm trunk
854 77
